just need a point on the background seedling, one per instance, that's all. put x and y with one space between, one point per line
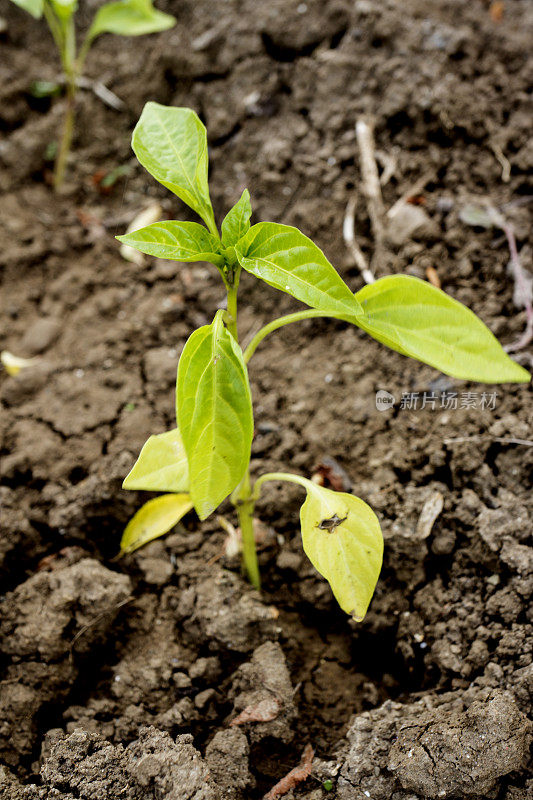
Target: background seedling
206 458
123 17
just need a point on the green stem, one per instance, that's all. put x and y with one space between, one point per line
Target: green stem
64 35
279 323
212 227
66 136
231 317
82 55
55 30
244 500
242 496
70 46
280 476
245 505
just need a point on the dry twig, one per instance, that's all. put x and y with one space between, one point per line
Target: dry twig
500 439
371 185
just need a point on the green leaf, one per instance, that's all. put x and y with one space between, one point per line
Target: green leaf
342 538
153 519
237 221
476 215
286 259
64 9
420 321
214 411
162 465
33 7
171 143
177 241
44 88
130 18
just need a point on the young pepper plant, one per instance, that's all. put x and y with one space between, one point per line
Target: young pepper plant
206 458
122 17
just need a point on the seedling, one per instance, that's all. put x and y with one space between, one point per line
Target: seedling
206 458
123 17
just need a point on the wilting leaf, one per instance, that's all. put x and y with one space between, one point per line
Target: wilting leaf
214 412
286 259
162 465
418 320
342 538
154 519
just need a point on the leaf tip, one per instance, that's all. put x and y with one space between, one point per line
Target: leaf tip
523 375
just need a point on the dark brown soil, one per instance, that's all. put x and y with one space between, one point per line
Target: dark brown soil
108 667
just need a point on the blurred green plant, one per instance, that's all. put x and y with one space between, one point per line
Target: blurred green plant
206 458
123 17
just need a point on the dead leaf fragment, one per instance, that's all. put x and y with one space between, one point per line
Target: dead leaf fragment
496 10
330 474
433 277
264 711
430 511
146 217
13 364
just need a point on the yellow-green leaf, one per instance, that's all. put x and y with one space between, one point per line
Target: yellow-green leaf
162 465
214 412
420 321
171 143
177 241
342 538
286 259
130 18
237 221
33 7
154 519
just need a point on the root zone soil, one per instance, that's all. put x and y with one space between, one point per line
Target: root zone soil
108 666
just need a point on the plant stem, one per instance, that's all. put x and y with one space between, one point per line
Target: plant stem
64 36
280 476
279 323
55 29
244 500
245 505
82 55
232 311
66 136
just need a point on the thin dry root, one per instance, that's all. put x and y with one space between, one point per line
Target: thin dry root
348 232
523 291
